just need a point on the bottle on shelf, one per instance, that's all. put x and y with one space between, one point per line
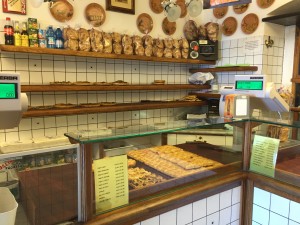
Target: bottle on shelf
24 35
50 37
8 32
17 34
59 41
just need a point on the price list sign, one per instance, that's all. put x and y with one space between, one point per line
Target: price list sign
111 182
264 155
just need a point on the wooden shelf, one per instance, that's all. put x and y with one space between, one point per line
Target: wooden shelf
113 108
295 109
11 48
296 80
48 88
207 95
225 69
285 19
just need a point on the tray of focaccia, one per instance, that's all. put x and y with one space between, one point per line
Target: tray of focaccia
166 166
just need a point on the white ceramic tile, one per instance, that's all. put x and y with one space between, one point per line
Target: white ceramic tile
8 64
235 212
213 219
261 198
70 66
213 204
295 211
291 222
37 123
59 66
199 209
254 223
237 222
24 136
201 221
11 136
168 218
225 216
236 195
81 67
184 215
38 133
279 205
50 122
260 215
276 219
225 199
151 221
82 119
50 132
25 124
137 224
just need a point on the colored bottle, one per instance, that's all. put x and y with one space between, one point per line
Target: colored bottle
50 37
8 32
24 35
17 35
59 41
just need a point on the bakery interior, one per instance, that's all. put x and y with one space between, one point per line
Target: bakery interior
153 113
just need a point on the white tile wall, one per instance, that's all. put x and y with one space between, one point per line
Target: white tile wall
218 209
271 209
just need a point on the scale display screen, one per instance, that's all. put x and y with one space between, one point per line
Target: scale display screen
8 91
249 85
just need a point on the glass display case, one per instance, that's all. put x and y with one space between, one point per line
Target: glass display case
43 181
131 163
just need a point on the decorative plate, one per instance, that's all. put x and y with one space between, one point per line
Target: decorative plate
168 27
229 26
156 6
181 4
239 9
144 23
250 23
61 10
264 3
220 12
95 14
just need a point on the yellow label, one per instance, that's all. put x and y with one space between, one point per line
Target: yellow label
111 182
24 40
17 39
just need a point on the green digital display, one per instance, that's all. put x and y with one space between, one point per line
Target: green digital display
8 91
249 85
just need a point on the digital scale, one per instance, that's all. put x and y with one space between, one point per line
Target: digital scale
12 102
248 93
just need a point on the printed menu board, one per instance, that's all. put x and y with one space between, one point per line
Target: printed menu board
264 155
111 182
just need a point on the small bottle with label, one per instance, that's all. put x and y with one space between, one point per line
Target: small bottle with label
50 37
24 35
8 32
59 41
17 35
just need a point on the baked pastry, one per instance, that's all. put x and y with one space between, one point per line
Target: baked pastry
176 43
148 50
168 43
117 48
202 32
212 31
83 35
128 49
176 53
96 40
148 40
116 37
107 40
71 44
126 40
131 163
278 132
84 46
140 50
70 33
139 178
168 53
158 43
184 53
184 43
137 41
64 105
158 52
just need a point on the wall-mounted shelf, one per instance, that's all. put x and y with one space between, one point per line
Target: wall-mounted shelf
112 108
11 48
225 69
287 19
49 88
207 95
296 80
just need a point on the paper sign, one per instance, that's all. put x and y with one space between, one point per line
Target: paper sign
264 155
253 46
111 182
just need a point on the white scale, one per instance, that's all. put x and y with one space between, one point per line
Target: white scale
253 93
12 102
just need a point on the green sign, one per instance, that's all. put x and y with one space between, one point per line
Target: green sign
8 91
249 85
264 155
